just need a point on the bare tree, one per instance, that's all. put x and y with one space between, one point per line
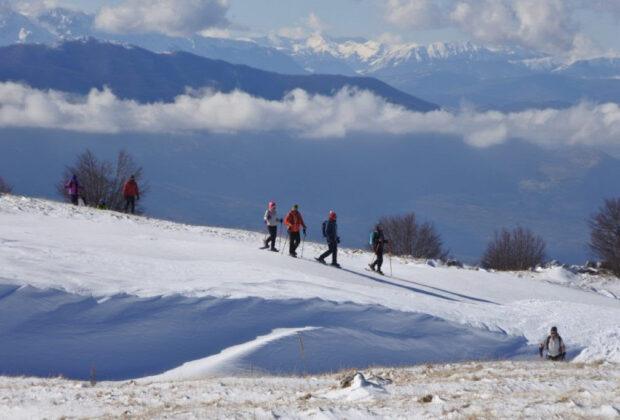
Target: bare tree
103 179
519 249
605 234
408 237
4 187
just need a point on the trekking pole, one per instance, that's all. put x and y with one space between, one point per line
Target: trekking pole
390 253
285 242
280 240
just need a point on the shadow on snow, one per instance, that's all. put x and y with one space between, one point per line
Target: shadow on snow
50 332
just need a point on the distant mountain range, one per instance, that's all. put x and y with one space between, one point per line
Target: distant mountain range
136 73
448 74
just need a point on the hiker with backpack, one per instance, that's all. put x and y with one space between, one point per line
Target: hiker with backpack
330 232
74 189
271 221
554 345
377 242
294 222
131 194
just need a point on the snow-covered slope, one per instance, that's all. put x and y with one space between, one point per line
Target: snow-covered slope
90 293
108 278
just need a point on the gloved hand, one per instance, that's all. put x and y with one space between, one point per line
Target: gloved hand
304 231
280 220
268 217
138 198
338 239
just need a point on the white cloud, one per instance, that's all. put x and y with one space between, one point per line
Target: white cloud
417 13
32 8
307 27
169 17
545 25
349 111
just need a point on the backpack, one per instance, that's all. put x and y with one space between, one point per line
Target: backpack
324 229
373 236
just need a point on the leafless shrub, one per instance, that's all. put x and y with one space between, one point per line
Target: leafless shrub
408 237
605 235
519 249
4 187
103 179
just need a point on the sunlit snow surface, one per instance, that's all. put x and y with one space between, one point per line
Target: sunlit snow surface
83 290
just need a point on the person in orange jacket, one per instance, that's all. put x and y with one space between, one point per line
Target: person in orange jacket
131 194
293 222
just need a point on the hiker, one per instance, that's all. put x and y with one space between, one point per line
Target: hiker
271 221
73 188
131 194
293 222
554 346
377 242
330 232
101 205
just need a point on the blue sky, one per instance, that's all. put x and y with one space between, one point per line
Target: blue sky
549 25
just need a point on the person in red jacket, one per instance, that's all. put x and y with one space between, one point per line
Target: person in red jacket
293 222
131 194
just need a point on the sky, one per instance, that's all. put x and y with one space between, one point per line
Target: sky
553 26
569 28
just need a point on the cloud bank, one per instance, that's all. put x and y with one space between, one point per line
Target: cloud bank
169 17
545 25
315 116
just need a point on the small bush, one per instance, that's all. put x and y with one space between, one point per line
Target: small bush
605 235
4 187
408 237
519 249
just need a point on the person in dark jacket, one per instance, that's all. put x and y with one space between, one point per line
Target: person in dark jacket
330 232
294 222
74 189
377 242
556 350
131 194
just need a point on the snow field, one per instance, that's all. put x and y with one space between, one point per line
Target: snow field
203 317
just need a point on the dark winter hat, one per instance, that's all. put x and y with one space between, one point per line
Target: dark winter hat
132 177
74 177
554 329
295 206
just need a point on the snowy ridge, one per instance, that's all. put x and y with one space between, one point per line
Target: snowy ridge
99 264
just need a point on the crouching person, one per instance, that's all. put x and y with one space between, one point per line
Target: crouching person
554 345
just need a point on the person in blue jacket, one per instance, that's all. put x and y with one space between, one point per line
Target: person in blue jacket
330 232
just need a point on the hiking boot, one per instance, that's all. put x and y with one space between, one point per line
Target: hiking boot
321 260
380 272
372 267
335 265
274 250
292 254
